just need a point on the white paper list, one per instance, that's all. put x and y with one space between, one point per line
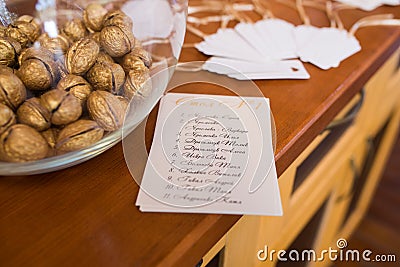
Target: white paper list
211 154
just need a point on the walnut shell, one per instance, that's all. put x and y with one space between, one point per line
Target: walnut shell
7 118
60 65
50 135
106 109
34 21
63 106
106 76
2 31
12 90
93 17
35 75
75 85
116 41
23 32
81 56
137 83
40 53
38 69
143 54
119 19
9 50
104 57
32 113
57 46
74 30
132 62
78 135
95 36
21 143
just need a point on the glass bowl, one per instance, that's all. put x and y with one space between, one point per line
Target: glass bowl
159 25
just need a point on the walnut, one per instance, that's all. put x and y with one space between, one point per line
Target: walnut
137 84
106 109
32 113
7 118
106 76
57 46
78 135
9 50
74 30
119 19
21 143
75 85
93 17
63 106
116 41
12 90
81 56
23 32
38 69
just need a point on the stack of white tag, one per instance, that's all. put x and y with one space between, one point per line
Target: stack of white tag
268 49
369 5
258 51
211 154
324 47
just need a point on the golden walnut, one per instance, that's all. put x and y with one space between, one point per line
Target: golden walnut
141 53
137 83
23 32
32 113
93 16
38 70
12 90
9 50
2 31
34 21
57 46
21 143
50 135
76 86
74 30
106 109
63 106
132 62
106 76
81 56
119 19
78 135
7 118
104 57
116 41
35 75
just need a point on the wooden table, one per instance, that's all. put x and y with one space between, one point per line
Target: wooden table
85 215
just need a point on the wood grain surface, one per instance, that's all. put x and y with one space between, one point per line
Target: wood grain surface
85 215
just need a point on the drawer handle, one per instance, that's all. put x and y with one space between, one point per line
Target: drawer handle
349 117
356 176
356 173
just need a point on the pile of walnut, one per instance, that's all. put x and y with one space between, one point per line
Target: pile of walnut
62 94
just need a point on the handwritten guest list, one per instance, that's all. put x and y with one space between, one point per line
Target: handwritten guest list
211 154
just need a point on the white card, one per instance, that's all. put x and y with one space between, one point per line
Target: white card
279 35
369 5
228 43
327 47
211 154
241 70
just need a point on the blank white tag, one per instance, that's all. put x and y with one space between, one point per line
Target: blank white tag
241 70
369 5
228 43
278 36
327 47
